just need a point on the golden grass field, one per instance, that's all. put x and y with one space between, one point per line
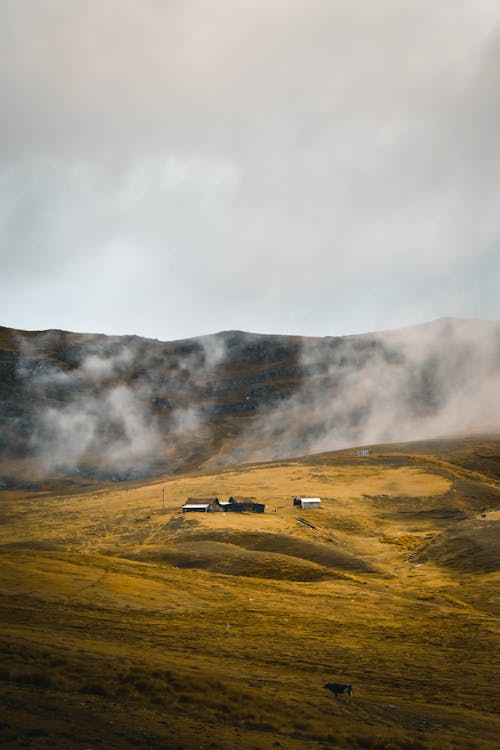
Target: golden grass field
128 624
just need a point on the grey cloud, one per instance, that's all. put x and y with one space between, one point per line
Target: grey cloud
428 381
183 167
83 412
115 407
114 426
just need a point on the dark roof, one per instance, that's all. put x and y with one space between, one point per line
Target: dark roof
241 499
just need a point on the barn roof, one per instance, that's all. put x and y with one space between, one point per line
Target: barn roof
202 500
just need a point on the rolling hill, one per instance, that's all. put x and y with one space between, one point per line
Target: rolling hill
125 623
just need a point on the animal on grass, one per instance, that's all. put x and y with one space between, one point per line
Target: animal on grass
339 688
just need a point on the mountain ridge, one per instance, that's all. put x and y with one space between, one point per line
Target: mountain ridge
442 319
93 406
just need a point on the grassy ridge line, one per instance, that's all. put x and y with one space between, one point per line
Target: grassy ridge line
452 469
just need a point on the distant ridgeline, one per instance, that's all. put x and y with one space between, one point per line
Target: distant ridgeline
85 407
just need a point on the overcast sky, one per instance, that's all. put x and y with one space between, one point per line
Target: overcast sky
173 168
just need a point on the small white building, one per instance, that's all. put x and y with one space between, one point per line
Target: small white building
307 502
196 507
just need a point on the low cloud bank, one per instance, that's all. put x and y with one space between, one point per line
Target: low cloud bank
111 406
124 407
433 380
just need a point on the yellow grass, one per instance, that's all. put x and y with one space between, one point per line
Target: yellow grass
106 642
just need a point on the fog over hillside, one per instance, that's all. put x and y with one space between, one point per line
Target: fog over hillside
436 379
118 408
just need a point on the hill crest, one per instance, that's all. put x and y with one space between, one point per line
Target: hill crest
96 407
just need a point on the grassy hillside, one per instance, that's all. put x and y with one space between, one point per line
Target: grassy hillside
127 624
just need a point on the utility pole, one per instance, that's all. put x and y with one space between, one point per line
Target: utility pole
163 498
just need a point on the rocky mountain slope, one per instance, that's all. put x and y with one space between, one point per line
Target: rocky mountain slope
87 406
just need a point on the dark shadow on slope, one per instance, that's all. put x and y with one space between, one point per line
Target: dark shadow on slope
471 548
229 559
326 555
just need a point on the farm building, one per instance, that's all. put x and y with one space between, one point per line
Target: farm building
307 502
235 504
200 505
240 503
224 505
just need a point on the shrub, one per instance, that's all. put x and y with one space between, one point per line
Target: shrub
94 688
39 679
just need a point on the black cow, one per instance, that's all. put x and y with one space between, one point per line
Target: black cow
338 688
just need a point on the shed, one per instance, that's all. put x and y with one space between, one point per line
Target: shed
224 505
258 507
307 502
200 504
241 503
